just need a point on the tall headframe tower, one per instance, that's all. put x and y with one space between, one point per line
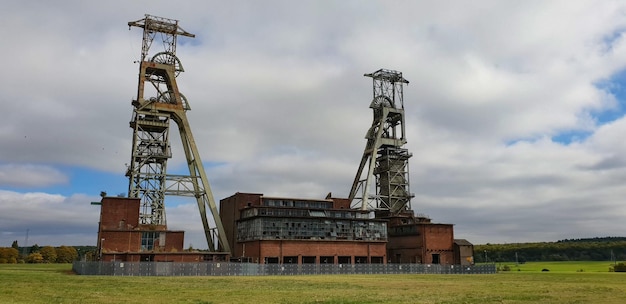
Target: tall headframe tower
158 103
385 163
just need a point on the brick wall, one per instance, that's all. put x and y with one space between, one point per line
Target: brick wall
230 212
119 213
259 250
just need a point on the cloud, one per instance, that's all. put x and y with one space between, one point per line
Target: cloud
29 175
48 218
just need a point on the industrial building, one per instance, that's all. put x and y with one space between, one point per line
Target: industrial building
375 224
301 231
121 237
293 230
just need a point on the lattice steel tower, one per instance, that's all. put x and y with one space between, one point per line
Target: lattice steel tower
386 159
158 103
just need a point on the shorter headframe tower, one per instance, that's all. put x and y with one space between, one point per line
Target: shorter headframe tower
158 103
385 161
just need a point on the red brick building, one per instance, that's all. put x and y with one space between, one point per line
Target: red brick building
418 240
301 231
122 238
272 230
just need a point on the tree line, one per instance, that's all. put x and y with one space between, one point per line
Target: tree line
588 249
46 254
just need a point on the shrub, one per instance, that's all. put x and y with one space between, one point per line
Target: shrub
620 267
34 257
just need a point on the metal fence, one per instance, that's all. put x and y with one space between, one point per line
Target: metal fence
252 269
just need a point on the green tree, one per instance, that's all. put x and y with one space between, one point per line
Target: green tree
15 245
9 255
66 254
49 254
35 248
34 257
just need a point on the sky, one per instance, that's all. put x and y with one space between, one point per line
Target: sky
515 111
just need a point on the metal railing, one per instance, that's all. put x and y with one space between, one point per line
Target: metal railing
117 268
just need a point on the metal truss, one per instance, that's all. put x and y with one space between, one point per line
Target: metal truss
384 155
159 102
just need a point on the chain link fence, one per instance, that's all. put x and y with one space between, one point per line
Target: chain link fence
250 269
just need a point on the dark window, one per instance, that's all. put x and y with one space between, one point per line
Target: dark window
147 257
377 260
290 260
344 260
308 260
271 260
360 260
327 260
435 258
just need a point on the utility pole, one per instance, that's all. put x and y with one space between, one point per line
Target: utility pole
25 244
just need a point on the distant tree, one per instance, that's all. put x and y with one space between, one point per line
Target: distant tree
3 255
9 255
35 248
66 254
34 257
49 254
15 245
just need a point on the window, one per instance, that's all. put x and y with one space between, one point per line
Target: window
360 260
377 260
290 260
308 260
327 260
147 240
344 260
317 213
436 258
271 260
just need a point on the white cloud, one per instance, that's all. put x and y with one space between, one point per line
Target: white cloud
28 175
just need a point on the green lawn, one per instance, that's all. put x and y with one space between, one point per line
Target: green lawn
573 266
56 284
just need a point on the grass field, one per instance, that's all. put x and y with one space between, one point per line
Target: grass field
564 283
573 266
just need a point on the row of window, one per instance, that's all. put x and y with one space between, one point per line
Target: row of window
324 260
316 229
302 213
297 203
